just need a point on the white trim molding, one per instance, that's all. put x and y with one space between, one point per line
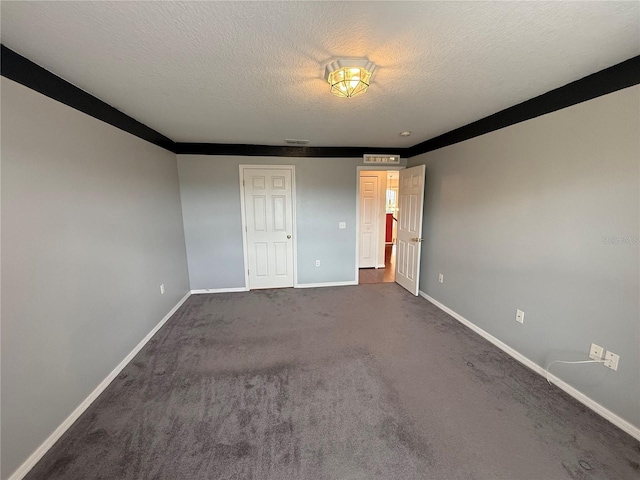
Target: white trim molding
243 219
578 395
363 168
326 284
219 290
64 426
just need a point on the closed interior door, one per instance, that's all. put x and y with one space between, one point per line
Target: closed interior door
368 221
269 227
411 196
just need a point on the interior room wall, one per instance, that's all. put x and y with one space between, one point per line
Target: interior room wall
91 226
543 216
325 196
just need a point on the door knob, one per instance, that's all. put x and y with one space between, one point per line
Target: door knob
288 236
417 239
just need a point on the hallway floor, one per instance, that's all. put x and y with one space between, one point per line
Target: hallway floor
381 275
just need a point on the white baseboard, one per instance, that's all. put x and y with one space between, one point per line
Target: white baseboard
64 426
578 395
219 290
326 284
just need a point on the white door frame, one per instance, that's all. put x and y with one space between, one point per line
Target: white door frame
374 228
379 168
293 220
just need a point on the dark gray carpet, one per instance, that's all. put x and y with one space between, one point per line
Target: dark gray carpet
347 383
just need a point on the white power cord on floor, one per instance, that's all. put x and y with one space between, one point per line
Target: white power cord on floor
564 361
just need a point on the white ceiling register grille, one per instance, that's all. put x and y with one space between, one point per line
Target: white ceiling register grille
388 159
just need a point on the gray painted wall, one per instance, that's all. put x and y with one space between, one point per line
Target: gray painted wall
544 216
91 226
325 196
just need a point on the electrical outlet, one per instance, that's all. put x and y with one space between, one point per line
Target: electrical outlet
162 289
441 278
611 360
519 316
596 352
342 225
317 263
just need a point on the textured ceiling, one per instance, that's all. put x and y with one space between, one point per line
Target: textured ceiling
252 72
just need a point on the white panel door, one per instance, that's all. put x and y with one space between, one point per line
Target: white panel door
269 227
411 200
368 221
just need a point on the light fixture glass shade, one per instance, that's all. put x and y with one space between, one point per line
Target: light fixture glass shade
349 77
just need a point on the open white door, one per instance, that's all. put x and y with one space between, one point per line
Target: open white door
268 205
411 195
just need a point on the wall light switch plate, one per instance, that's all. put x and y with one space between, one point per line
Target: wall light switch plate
441 278
596 352
342 225
162 289
611 360
519 316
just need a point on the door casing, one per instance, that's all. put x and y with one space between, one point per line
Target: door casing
294 234
357 237
374 227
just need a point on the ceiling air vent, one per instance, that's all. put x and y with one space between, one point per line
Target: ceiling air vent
295 141
373 158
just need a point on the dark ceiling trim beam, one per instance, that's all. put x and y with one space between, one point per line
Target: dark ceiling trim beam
281 151
609 80
22 70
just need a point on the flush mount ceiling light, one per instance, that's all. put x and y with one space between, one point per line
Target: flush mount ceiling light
349 77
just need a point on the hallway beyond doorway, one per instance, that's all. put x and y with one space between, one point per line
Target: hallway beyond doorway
381 275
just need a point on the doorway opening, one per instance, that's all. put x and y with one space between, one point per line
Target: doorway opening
378 223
